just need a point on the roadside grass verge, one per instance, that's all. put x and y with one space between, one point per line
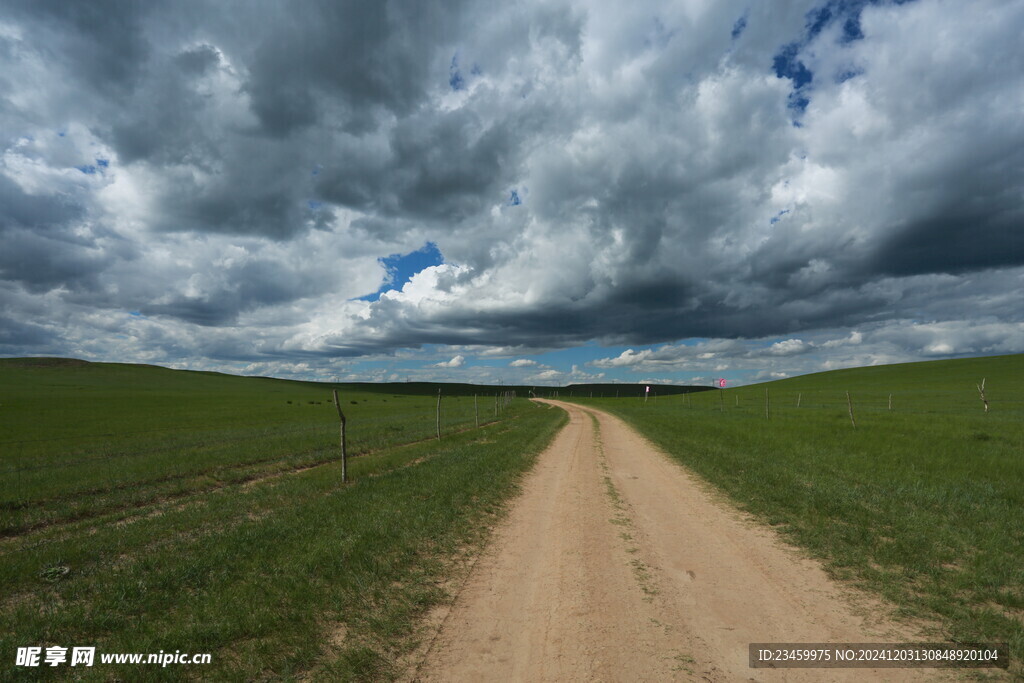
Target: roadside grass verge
923 503
290 577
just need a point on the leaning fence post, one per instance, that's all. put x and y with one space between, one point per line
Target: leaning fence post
767 410
439 413
849 404
981 390
344 458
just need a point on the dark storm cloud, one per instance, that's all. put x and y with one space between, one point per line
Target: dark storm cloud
443 168
241 288
41 262
973 220
34 211
16 335
220 179
357 56
101 43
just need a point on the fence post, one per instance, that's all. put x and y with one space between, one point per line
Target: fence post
439 413
344 458
890 401
767 405
981 390
849 404
476 410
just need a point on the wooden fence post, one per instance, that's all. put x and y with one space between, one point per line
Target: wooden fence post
439 414
476 410
767 404
981 390
798 397
849 404
890 401
344 458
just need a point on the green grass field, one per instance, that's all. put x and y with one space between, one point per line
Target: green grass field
923 503
147 509
80 439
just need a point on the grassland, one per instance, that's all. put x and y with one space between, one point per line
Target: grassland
923 503
147 509
79 439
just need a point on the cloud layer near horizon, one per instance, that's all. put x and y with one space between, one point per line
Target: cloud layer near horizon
217 181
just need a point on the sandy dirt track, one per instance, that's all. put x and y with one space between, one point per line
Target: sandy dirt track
616 564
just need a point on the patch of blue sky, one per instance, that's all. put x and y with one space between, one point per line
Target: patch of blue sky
778 217
455 79
848 74
87 169
852 30
514 199
103 163
313 204
820 17
401 268
739 27
787 65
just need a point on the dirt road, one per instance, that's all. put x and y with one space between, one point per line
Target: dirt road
615 564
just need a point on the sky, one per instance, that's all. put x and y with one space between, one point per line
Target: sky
538 192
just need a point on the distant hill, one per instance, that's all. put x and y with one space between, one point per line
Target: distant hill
395 388
609 390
